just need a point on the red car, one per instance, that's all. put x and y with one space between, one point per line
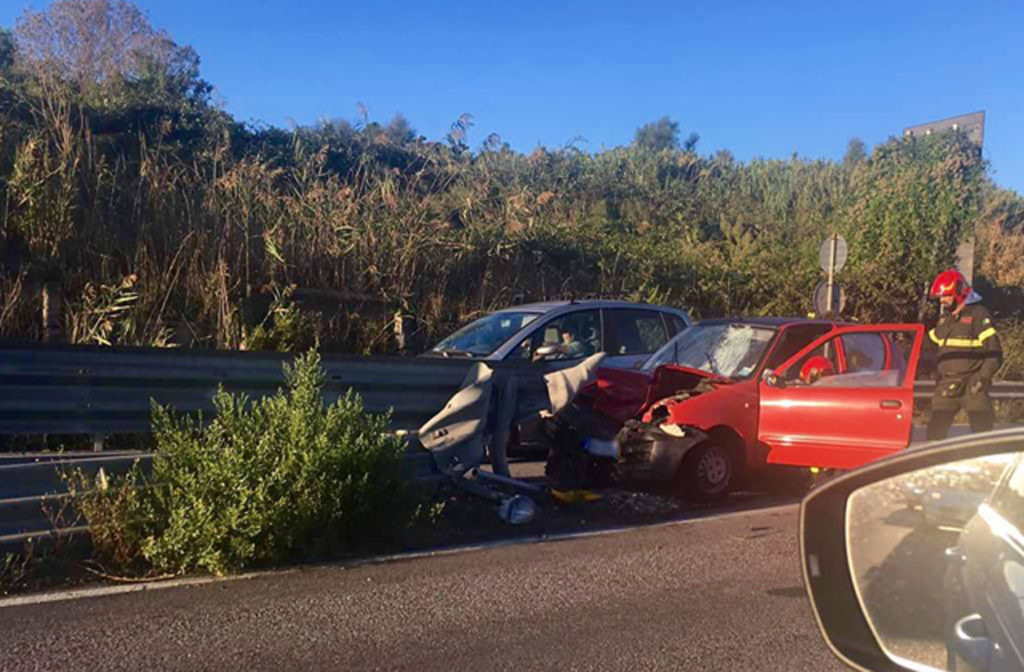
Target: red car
728 396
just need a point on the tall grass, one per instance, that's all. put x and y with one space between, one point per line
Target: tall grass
171 227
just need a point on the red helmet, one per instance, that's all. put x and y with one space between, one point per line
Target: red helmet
816 367
951 283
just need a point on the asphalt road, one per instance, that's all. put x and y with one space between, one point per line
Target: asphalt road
722 593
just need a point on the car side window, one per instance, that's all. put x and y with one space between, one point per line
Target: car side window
674 323
574 336
822 360
1008 498
634 332
865 365
795 339
864 352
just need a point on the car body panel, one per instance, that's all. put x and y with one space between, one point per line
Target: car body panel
726 405
620 393
840 426
698 400
648 452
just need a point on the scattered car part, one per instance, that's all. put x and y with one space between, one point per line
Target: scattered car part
574 496
469 426
517 510
455 435
498 479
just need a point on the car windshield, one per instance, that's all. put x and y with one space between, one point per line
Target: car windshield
482 337
730 350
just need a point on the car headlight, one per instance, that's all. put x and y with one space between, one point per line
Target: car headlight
673 430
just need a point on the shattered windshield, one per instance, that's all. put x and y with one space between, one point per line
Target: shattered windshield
730 350
482 337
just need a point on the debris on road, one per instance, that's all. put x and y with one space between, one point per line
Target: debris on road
517 510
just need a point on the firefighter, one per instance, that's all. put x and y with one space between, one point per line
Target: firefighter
968 356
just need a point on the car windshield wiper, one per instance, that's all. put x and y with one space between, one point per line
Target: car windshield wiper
712 362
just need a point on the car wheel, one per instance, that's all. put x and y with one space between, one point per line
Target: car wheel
706 473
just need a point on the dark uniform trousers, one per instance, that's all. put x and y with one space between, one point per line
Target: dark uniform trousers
969 354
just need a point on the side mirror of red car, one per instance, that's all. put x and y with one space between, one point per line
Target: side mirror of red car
908 561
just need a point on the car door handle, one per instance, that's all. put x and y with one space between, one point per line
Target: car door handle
891 403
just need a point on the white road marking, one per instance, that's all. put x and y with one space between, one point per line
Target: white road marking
104 591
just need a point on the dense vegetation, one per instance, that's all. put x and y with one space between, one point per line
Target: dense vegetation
267 480
164 221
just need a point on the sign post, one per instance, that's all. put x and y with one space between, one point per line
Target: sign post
832 257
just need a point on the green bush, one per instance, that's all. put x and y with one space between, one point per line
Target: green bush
268 480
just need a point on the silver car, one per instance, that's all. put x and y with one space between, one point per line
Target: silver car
568 331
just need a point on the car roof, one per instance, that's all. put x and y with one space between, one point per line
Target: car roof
775 322
549 306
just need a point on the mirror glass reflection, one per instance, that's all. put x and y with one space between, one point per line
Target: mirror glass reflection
937 559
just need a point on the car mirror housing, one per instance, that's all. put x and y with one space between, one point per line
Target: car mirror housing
883 554
772 379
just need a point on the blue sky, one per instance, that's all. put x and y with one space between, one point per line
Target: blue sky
759 79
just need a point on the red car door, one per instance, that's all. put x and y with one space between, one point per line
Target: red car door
860 410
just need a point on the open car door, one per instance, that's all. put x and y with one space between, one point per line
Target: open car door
861 407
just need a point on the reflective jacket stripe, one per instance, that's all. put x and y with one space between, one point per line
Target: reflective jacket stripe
987 334
978 342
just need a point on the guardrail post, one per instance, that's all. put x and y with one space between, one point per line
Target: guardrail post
53 330
507 392
97 442
404 330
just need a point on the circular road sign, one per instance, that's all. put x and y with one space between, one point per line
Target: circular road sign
821 295
825 253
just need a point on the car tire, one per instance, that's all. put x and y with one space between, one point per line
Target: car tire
706 473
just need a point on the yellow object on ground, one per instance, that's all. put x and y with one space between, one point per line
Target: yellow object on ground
574 496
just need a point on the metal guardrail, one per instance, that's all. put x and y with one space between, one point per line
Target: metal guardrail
101 391
34 499
98 391
1004 390
92 390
